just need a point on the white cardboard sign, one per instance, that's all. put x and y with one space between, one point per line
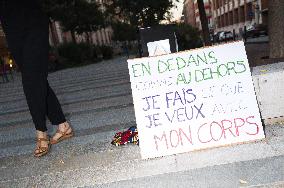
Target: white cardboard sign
194 100
160 47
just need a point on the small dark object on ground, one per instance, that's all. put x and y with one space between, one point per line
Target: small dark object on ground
123 138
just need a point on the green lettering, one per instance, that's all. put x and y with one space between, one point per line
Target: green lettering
181 78
146 69
231 66
211 55
134 70
204 60
170 64
181 63
207 74
243 69
192 60
162 66
199 76
222 72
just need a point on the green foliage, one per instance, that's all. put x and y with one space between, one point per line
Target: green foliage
107 52
140 12
86 51
97 53
81 53
188 37
78 16
76 53
123 32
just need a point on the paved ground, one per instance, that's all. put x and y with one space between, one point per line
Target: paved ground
257 49
260 39
97 101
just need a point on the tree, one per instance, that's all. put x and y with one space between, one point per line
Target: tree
140 12
123 32
188 37
76 16
204 23
276 28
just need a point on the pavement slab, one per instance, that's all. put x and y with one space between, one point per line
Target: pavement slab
98 103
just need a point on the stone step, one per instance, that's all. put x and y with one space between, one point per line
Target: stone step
90 160
97 101
19 95
21 103
93 139
70 76
245 174
82 121
71 97
23 115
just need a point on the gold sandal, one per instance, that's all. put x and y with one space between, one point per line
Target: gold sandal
63 136
42 150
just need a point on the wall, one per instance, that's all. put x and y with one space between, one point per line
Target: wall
268 82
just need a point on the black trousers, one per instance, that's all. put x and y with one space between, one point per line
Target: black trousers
26 29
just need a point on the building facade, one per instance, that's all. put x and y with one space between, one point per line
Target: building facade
191 13
228 15
58 36
3 44
100 37
232 15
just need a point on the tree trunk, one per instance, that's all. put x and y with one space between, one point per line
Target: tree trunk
88 36
204 23
73 36
53 34
276 28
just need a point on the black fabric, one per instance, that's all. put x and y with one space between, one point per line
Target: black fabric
26 29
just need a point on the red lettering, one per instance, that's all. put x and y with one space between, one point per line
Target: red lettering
174 137
222 130
226 129
223 122
171 138
251 123
238 126
216 130
161 139
189 138
198 133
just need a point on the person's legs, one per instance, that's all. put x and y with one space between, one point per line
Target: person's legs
26 28
54 111
34 73
12 15
41 99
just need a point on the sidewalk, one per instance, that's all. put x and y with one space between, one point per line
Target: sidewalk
261 39
97 101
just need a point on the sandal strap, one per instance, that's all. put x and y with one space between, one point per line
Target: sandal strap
60 132
38 152
42 139
41 148
63 133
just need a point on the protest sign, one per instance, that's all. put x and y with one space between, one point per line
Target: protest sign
194 100
160 47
